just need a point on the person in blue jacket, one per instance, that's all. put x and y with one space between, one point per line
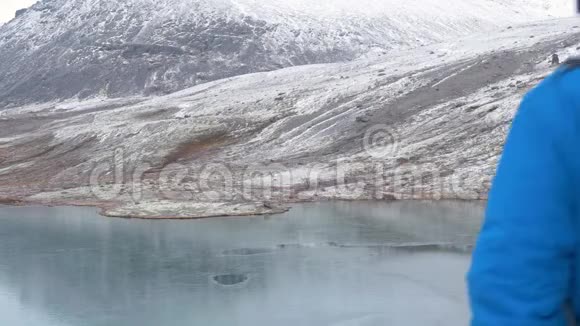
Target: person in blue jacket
525 268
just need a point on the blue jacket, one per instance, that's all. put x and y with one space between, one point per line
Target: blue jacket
526 269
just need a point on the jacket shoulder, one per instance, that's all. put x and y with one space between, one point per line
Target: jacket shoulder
562 86
567 80
556 100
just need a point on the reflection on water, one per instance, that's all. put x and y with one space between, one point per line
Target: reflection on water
320 264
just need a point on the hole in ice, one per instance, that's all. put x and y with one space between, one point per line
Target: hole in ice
230 279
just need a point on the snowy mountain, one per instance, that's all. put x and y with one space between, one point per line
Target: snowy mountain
60 49
421 123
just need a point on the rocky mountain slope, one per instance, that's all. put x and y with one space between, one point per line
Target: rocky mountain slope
63 49
422 123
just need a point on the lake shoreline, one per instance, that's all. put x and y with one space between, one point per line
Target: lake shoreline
184 210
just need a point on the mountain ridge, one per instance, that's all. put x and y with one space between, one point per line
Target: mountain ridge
62 49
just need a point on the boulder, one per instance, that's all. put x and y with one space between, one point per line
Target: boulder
555 59
20 12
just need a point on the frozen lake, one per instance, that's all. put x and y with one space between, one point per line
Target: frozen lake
338 264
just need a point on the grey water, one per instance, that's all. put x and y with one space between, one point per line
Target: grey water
339 264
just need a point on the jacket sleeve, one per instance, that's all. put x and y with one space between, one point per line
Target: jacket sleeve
522 265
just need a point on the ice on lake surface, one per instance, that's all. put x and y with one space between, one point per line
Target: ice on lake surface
338 264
